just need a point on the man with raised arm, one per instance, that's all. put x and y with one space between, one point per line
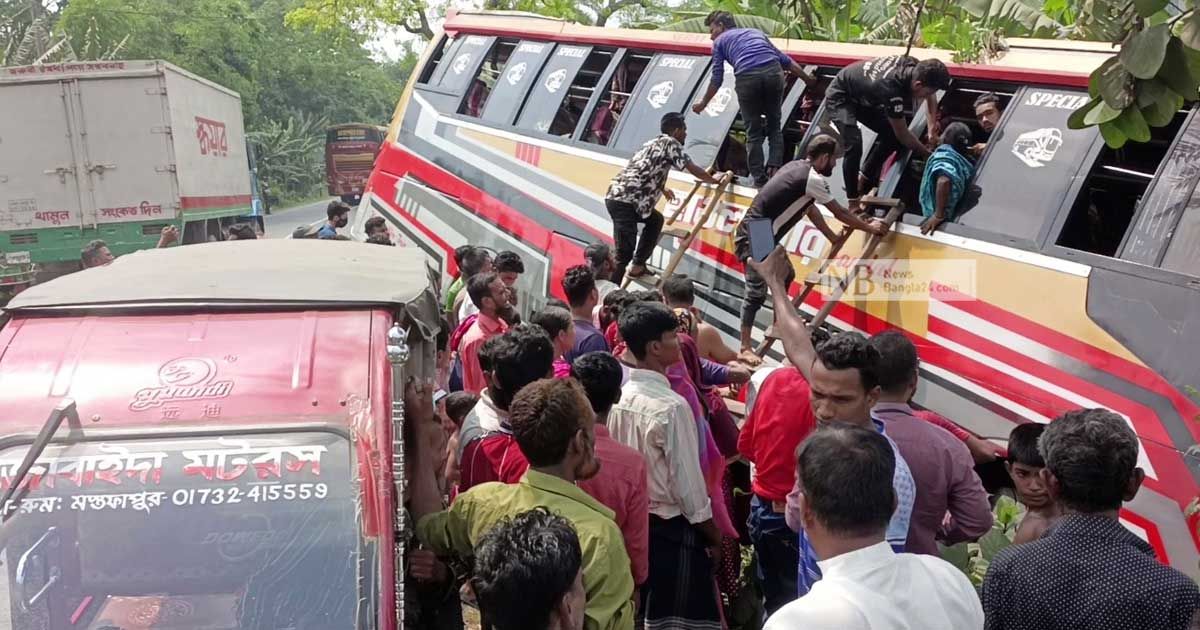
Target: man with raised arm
875 92
843 389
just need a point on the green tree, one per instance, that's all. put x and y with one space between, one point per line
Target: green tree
1156 72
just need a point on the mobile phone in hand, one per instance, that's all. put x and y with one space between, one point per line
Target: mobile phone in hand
762 238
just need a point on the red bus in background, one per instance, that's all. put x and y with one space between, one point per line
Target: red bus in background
350 151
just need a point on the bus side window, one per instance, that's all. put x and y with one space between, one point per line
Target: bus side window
1032 162
668 85
615 97
579 93
435 60
1116 182
1166 227
485 80
956 105
563 89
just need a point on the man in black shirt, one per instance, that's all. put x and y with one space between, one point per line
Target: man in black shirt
876 92
1088 570
787 197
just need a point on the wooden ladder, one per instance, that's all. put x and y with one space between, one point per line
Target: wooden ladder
895 211
712 199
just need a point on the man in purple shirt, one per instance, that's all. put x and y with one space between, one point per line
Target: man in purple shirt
758 74
580 286
941 465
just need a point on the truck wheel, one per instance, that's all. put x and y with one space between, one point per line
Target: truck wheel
352 199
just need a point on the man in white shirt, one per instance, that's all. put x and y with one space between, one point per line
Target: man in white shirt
685 544
846 501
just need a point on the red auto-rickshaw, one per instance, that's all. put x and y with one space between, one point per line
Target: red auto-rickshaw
184 444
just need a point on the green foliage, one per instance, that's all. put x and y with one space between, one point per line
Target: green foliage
289 153
973 558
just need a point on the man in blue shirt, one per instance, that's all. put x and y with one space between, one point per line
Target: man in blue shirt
758 74
338 215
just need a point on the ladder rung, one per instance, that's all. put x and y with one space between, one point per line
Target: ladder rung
677 232
887 202
816 278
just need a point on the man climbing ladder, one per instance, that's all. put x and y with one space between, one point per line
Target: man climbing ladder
635 190
789 196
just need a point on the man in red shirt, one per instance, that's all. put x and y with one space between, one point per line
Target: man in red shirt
621 483
519 357
780 419
489 293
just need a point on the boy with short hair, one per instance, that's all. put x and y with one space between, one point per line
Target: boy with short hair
1025 466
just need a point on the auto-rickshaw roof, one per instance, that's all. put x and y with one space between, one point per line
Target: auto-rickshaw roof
260 272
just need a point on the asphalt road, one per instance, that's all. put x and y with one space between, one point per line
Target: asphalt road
281 222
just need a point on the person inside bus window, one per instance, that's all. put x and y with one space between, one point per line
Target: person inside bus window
635 190
987 114
947 173
758 80
337 215
875 92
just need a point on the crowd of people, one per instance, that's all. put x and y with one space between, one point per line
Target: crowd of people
578 477
590 466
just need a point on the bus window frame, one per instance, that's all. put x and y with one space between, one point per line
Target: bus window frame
543 135
536 72
585 118
427 76
637 95
371 585
1164 244
1051 216
918 127
472 71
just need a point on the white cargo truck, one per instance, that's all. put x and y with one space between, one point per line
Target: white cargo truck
117 150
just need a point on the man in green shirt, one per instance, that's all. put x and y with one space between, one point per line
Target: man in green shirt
553 424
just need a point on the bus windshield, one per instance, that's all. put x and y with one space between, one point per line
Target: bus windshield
350 152
255 531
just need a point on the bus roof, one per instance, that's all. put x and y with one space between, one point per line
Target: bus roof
276 272
1060 62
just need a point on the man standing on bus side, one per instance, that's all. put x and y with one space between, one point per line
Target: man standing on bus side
876 92
634 192
758 81
790 195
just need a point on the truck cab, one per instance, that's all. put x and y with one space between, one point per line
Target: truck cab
208 449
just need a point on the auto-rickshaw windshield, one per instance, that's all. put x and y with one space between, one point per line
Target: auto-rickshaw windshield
245 531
